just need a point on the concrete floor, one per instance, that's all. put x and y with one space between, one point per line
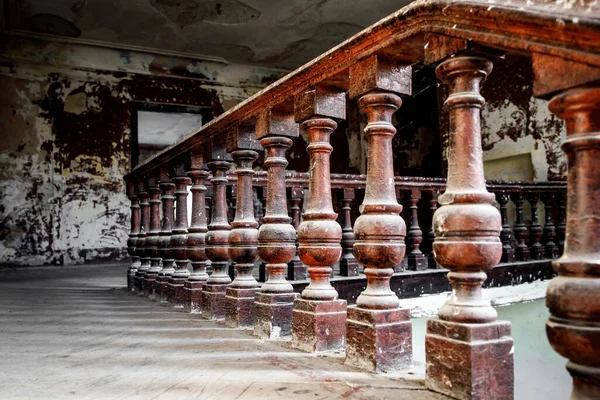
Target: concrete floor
76 333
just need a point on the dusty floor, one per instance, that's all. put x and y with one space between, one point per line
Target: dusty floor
75 333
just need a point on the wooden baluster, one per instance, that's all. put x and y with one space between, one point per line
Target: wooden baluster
401 266
520 230
296 269
232 194
178 242
467 228
561 228
318 319
416 259
276 236
536 249
164 240
263 274
133 235
152 238
433 205
574 296
208 201
217 238
243 238
141 242
196 238
378 328
551 249
348 263
508 253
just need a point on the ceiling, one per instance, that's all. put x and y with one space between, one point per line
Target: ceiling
275 33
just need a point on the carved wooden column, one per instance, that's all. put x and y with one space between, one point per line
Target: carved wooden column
196 238
217 238
433 203
149 282
469 354
232 194
508 253
348 263
178 242
243 238
573 297
141 241
550 247
379 329
416 259
296 269
536 250
561 227
520 230
133 235
164 239
276 236
318 317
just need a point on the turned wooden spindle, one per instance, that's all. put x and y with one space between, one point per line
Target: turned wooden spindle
561 227
133 235
178 242
550 247
232 203
467 242
508 253
520 230
348 263
196 238
141 242
573 297
433 205
164 240
536 250
414 237
296 269
152 237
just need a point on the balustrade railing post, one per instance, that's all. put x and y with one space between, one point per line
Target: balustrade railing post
133 235
433 205
508 253
379 331
164 240
561 227
469 353
232 193
550 247
573 297
520 230
152 238
296 269
348 263
414 238
217 238
276 236
196 238
141 241
243 238
178 241
536 249
318 319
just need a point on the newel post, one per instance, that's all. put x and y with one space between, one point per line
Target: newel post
379 329
318 317
243 238
276 235
469 354
133 235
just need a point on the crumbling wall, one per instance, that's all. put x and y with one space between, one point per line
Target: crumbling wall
65 123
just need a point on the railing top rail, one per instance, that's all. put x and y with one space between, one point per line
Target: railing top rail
564 29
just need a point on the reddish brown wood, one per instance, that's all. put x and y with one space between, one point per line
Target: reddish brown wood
164 240
433 205
296 269
196 238
141 241
416 259
561 228
217 238
550 247
348 263
520 230
508 253
574 296
149 282
178 241
536 249
133 234
467 348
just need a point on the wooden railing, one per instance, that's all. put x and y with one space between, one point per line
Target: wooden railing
463 40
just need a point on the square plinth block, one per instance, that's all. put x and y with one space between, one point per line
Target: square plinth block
239 307
319 325
378 340
273 315
150 285
175 292
193 296
470 361
213 301
139 282
161 289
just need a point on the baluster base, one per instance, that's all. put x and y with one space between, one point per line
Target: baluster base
150 285
175 292
508 255
522 253
348 266
400 267
296 270
239 307
139 282
193 296
417 262
551 251
378 340
537 252
470 361
131 279
161 288
319 325
432 263
273 315
213 301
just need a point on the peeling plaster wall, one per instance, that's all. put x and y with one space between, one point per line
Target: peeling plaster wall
65 126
